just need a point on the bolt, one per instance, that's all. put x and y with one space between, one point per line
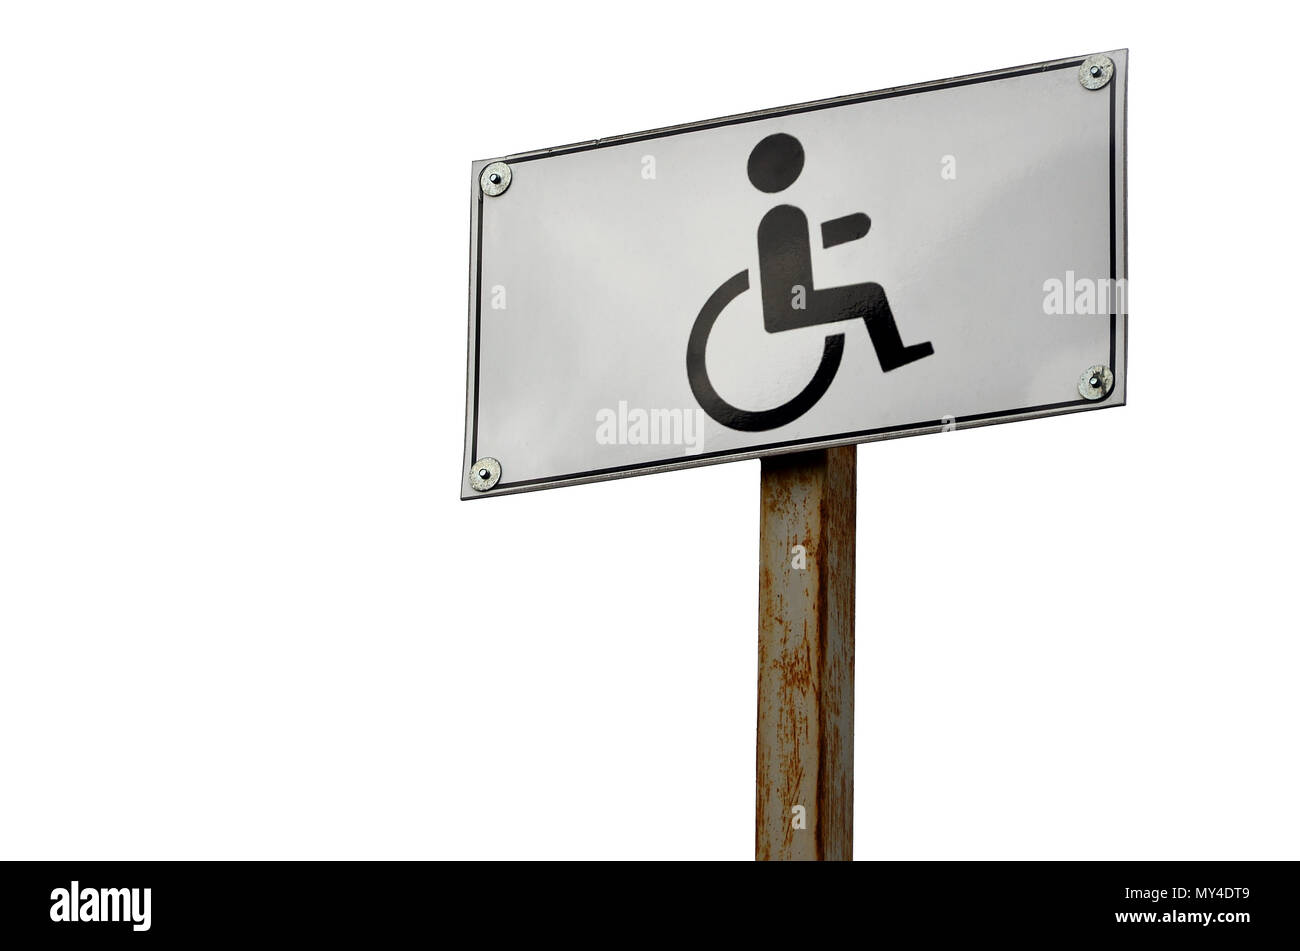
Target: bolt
495 178
483 473
1094 381
1095 71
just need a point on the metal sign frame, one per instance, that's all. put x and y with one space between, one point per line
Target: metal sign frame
500 483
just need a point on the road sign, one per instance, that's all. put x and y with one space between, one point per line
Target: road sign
907 261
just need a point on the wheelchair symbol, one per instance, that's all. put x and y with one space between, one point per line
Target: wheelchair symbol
785 267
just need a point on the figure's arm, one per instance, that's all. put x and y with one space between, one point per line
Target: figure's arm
842 230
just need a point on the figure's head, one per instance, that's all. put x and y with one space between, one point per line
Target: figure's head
775 162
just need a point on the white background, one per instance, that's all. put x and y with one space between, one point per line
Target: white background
244 615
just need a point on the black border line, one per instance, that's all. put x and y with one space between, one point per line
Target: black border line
747 451
1114 320
478 323
851 100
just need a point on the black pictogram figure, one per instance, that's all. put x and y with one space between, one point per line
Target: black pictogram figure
785 263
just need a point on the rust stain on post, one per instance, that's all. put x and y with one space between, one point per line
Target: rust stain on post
805 656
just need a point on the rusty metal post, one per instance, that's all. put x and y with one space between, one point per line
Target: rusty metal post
807 542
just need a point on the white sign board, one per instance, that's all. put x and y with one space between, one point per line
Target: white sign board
907 261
